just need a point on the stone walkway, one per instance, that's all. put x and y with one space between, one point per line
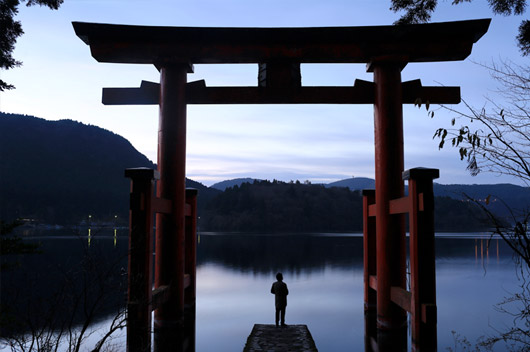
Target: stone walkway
269 338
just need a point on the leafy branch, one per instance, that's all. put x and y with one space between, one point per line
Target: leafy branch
420 11
10 30
501 141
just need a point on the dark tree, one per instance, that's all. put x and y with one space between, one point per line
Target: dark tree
10 30
13 245
420 11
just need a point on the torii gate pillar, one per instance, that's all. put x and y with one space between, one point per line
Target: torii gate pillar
389 165
170 228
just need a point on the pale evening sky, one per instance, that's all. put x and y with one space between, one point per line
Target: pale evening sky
323 143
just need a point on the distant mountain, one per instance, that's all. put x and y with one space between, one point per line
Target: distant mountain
231 183
503 197
515 195
59 172
354 183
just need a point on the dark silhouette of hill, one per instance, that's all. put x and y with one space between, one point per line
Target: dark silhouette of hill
354 183
59 172
231 183
266 206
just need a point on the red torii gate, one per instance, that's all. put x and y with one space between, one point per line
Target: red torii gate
279 52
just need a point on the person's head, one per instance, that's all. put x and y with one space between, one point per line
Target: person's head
279 277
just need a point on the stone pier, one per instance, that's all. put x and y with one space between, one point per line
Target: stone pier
268 338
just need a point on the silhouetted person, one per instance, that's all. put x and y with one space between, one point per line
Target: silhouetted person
280 291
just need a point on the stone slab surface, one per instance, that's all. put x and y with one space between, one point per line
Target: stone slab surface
270 338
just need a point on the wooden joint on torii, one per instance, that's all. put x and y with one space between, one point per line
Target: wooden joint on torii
279 74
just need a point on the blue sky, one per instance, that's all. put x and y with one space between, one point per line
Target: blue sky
322 143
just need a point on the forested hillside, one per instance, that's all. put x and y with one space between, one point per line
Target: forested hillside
503 198
59 172
286 207
295 207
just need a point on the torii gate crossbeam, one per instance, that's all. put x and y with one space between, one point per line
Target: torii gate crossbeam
362 92
279 52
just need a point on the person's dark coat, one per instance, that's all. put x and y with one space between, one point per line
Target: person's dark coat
279 288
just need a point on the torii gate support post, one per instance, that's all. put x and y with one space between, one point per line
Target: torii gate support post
422 258
420 301
170 228
140 264
191 270
191 248
389 165
369 261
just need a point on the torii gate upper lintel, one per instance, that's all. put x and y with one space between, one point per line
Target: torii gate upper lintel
279 52
447 41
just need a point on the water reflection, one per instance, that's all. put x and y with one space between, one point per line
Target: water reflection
178 338
115 236
324 274
325 280
264 254
383 341
482 249
43 290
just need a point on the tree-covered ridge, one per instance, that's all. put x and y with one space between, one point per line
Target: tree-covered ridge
59 172
286 207
266 206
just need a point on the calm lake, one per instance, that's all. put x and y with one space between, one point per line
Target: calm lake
324 274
